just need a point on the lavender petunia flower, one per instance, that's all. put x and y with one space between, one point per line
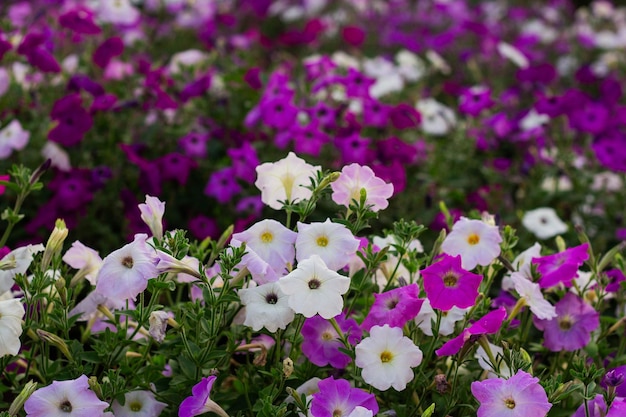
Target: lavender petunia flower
71 398
336 398
200 401
321 342
394 307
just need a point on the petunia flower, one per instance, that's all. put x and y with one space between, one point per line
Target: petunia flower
336 398
333 242
394 307
138 404
126 271
519 396
530 292
315 289
522 264
200 401
152 214
447 284
572 327
477 242
544 223
321 341
71 398
272 241
11 314
353 179
437 119
561 267
266 306
386 358
449 318
490 323
85 259
499 368
285 180
119 12
12 138
21 258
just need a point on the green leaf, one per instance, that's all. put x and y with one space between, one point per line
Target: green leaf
429 411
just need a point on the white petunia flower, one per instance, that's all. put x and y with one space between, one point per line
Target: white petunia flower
19 260
522 264
498 369
386 358
437 119
544 223
427 316
285 180
266 306
272 241
11 314
477 242
333 242
138 404
152 215
85 259
513 54
12 138
314 289
57 155
532 295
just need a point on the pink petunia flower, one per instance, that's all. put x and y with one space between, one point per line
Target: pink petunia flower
488 324
353 179
12 138
561 267
394 307
477 242
519 396
447 284
571 329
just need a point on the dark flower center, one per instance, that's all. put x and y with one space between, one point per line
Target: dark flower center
135 406
66 406
510 403
392 303
271 298
314 284
128 262
565 323
450 279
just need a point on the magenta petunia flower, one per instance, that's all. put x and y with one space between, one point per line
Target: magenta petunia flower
447 284
561 267
490 323
571 329
394 307
80 20
223 185
353 179
65 398
321 342
336 398
519 396
200 401
108 50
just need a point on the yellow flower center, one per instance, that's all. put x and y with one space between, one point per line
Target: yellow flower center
267 237
566 322
510 403
327 336
135 406
450 279
386 356
287 180
473 239
322 241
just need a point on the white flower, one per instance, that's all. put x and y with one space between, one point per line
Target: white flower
477 242
152 215
513 54
21 258
533 120
186 59
261 271
266 306
285 180
410 65
532 295
498 369
315 289
386 357
544 223
11 314
361 412
58 157
333 242
138 404
120 12
608 181
522 264
553 185
437 119
158 324
85 259
272 241
427 316
12 138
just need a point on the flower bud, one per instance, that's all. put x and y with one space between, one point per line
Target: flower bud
19 401
55 341
55 243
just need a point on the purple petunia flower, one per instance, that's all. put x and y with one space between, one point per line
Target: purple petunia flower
223 185
321 342
561 267
245 161
200 401
394 307
108 50
80 20
73 121
447 284
194 144
490 323
336 398
175 166
202 227
571 329
519 396
72 397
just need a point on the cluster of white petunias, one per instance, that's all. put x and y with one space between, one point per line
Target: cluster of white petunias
476 241
437 118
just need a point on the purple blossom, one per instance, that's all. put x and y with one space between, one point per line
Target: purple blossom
309 139
72 397
357 84
336 398
395 149
202 227
245 161
490 323
80 20
176 166
223 185
375 113
354 149
194 144
474 100
394 307
73 121
447 284
200 401
108 50
321 342
561 267
571 329
278 112
404 116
